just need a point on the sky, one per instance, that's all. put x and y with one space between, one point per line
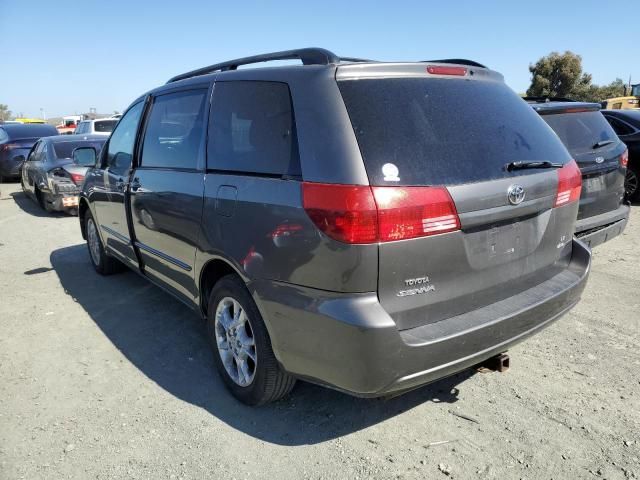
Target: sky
62 58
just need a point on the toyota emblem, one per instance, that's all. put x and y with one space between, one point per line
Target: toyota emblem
515 194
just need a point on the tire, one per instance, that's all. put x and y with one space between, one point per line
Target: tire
632 184
103 263
266 381
42 202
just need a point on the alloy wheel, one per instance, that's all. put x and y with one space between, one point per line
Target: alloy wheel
235 341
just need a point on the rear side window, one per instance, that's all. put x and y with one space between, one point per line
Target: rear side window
431 131
174 134
104 125
81 128
581 131
3 136
252 129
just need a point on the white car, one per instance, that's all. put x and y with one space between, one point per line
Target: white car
101 126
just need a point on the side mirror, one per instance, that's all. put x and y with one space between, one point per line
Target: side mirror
85 156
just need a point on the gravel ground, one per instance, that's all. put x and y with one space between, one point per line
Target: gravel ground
112 378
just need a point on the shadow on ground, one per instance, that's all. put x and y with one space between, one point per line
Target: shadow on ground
31 207
167 342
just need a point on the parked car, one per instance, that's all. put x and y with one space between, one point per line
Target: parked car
56 168
626 123
367 226
602 158
102 126
15 142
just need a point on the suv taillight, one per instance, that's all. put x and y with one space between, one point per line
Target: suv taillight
569 184
363 214
8 146
624 158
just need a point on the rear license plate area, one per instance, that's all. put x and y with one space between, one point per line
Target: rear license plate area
69 201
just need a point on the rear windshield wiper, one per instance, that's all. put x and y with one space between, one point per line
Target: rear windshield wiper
522 165
602 143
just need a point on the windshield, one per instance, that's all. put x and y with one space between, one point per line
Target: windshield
104 125
581 131
419 131
64 150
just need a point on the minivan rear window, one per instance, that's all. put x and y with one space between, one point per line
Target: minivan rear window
582 130
433 131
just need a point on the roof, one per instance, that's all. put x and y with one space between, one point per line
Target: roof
308 56
28 130
564 106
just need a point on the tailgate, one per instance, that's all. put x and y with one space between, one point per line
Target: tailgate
596 148
500 251
460 134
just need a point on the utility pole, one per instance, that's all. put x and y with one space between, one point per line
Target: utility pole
44 117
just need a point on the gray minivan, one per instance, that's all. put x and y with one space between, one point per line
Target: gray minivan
367 226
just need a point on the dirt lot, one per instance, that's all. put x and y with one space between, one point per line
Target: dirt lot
112 378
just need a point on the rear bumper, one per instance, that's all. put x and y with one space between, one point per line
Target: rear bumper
352 344
60 199
10 168
600 228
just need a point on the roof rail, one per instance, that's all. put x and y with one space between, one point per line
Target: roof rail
308 56
459 61
543 99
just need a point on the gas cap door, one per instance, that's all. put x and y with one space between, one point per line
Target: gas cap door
226 199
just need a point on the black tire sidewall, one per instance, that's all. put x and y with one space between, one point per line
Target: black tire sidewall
232 286
636 195
100 266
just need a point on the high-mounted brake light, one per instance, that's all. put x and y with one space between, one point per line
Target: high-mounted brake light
624 158
362 214
569 184
439 70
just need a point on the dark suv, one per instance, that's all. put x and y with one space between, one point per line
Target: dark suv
626 123
367 226
602 158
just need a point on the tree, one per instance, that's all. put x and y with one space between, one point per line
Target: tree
561 75
558 75
5 113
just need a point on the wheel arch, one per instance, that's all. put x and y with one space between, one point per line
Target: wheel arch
212 271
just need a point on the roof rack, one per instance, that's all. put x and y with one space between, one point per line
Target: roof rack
543 99
459 61
308 56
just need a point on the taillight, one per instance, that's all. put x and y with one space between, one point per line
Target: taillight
362 214
439 70
8 146
624 158
410 212
569 184
344 212
77 178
